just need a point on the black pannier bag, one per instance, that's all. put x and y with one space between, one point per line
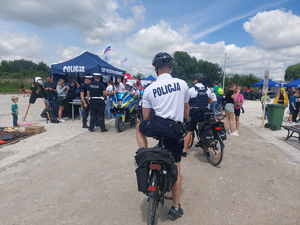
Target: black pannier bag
206 131
144 156
222 131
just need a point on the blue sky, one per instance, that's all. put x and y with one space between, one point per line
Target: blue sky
256 35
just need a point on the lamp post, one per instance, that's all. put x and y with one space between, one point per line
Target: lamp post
224 70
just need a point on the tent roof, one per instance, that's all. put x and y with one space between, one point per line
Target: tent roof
129 77
295 83
86 63
151 78
271 84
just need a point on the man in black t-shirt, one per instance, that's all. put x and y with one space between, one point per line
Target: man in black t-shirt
50 88
95 96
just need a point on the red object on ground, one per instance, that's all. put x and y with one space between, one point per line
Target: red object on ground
2 142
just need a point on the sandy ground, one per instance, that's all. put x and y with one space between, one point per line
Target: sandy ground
88 178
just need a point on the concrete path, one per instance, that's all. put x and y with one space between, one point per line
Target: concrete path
91 180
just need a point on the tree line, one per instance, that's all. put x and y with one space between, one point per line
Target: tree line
21 68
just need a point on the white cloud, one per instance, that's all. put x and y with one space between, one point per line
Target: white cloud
69 53
95 20
20 46
147 42
138 12
275 29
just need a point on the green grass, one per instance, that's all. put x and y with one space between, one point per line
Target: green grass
13 85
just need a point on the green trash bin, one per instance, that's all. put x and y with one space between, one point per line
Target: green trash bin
275 117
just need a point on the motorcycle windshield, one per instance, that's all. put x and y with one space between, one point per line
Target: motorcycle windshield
120 96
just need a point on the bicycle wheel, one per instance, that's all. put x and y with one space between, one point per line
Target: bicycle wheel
214 151
192 140
220 114
152 199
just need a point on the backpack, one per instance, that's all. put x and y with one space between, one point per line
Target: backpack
220 91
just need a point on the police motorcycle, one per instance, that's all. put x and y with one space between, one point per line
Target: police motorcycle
125 107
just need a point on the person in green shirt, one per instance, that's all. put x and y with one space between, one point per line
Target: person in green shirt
262 104
14 110
219 95
50 88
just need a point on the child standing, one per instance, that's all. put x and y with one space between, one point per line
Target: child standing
292 106
14 110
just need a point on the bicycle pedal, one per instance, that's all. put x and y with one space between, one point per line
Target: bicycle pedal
169 198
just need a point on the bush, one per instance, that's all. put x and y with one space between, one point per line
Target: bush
13 85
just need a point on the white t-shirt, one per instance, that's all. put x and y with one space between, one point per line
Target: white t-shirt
167 97
120 88
110 89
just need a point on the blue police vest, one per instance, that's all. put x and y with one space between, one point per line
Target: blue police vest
201 100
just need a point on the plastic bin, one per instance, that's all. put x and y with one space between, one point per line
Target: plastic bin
276 112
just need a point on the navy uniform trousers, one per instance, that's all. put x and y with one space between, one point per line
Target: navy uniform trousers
97 107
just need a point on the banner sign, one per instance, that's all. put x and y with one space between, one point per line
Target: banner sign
266 81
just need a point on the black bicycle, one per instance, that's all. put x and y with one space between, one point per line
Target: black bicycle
157 173
220 113
210 135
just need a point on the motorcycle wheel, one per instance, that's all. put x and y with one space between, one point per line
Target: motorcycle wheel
119 124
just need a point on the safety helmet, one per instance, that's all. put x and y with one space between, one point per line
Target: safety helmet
200 77
162 59
129 85
38 80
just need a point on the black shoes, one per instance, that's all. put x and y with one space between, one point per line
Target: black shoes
104 130
91 130
85 126
183 154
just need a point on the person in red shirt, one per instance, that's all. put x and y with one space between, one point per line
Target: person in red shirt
246 89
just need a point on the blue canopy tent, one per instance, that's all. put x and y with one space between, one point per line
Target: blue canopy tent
148 79
86 63
295 83
271 84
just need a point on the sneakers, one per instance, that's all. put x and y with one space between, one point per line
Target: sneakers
214 118
62 120
289 121
234 134
175 214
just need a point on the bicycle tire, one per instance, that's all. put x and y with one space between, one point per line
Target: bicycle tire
215 158
220 115
192 140
152 206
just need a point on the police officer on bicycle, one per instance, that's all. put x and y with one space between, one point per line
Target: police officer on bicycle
168 97
200 97
95 96
85 105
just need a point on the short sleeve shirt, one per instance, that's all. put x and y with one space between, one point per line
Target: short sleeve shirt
84 89
239 98
166 97
120 88
96 89
193 92
109 88
228 97
50 85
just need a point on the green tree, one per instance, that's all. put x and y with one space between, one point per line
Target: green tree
185 67
292 72
139 76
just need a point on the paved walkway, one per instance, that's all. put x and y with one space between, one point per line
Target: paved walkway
91 180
